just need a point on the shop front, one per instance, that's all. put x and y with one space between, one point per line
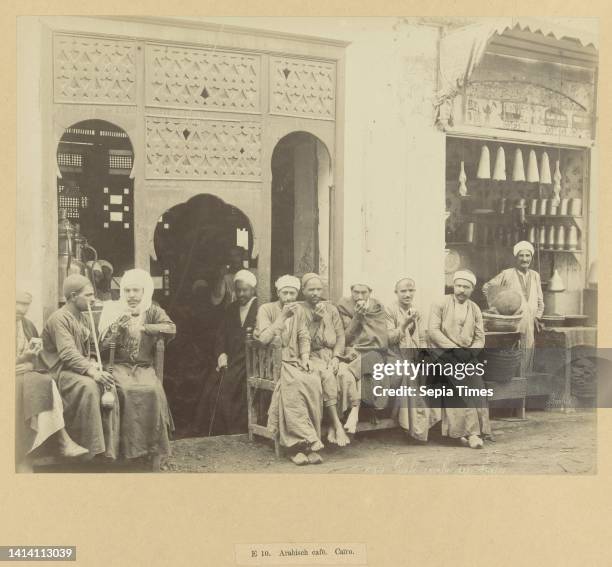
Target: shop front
519 117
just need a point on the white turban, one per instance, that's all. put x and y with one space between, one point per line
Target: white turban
287 281
246 277
523 245
465 275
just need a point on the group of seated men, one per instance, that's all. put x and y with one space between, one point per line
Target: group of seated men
65 383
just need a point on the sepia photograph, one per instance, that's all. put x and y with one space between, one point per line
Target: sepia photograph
260 244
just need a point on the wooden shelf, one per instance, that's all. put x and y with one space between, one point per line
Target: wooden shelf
509 246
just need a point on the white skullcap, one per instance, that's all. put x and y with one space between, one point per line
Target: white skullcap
246 277
465 275
361 279
523 245
287 281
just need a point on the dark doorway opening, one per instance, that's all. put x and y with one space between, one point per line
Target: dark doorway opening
199 244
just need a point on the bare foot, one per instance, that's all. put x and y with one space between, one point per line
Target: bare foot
475 442
317 446
351 421
342 439
331 434
300 459
315 458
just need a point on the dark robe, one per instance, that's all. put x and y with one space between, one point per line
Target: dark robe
224 400
367 344
33 394
146 422
68 354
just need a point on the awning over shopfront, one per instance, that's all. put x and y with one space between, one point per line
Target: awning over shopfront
462 49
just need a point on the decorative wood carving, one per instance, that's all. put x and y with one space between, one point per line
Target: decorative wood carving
183 148
184 77
94 70
302 88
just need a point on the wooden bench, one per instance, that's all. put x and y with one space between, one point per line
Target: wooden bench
263 367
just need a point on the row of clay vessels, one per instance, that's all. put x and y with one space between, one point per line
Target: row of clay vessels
571 207
554 237
550 237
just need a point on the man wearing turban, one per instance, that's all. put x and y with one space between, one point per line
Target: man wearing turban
527 283
326 350
296 407
223 403
406 339
39 410
456 334
134 323
365 325
68 352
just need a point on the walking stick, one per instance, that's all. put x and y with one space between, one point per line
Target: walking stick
212 418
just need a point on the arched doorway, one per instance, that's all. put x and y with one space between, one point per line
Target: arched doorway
95 194
301 194
199 244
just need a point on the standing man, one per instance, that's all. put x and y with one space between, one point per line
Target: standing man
227 397
527 283
406 339
326 349
365 326
68 353
223 290
296 407
456 334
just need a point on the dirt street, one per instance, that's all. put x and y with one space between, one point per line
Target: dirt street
544 443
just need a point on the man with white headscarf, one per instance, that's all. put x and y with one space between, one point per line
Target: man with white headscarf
134 323
296 407
456 334
223 404
527 283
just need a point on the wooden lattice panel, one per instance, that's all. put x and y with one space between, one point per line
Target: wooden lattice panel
181 148
94 70
182 77
302 88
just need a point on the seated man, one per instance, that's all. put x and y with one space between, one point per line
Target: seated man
134 322
39 410
296 407
365 326
455 325
226 396
406 339
326 348
68 353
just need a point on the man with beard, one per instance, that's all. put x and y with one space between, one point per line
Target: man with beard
527 283
326 349
226 395
456 334
296 407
